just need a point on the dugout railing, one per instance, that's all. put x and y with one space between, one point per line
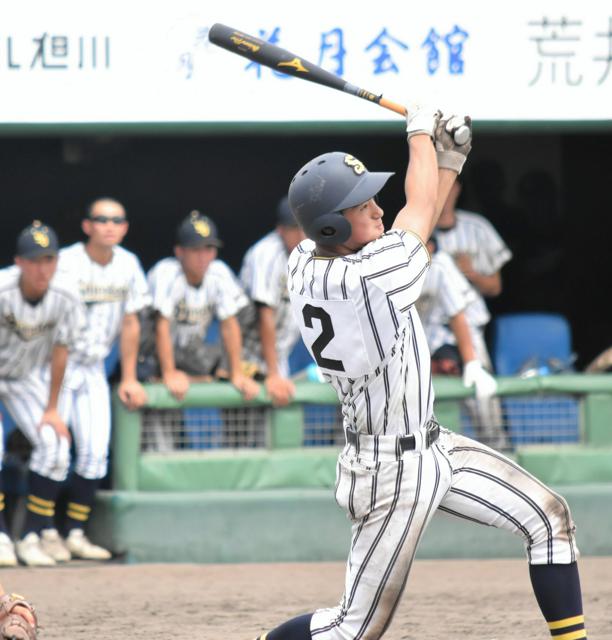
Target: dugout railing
560 428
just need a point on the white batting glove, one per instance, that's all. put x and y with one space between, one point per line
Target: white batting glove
474 375
421 119
450 154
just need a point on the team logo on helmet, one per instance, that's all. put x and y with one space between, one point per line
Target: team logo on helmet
40 234
357 166
202 228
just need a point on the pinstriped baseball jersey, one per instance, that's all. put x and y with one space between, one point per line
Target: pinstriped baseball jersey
264 278
357 317
108 291
191 309
29 331
475 235
445 293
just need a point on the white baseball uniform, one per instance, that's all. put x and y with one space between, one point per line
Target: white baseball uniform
28 333
357 317
264 278
475 235
109 292
191 309
446 292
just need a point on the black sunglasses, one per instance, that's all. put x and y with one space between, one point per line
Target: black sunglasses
105 219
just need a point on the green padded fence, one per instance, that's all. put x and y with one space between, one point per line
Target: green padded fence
284 463
301 525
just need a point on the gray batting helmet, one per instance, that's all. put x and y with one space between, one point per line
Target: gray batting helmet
327 185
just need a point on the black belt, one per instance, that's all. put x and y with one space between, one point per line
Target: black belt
407 443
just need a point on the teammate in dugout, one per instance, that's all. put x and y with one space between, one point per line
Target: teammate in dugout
41 317
452 314
188 291
113 288
353 289
269 329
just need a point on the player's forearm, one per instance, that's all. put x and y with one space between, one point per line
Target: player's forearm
267 335
130 337
59 359
232 339
421 186
601 362
489 286
461 330
163 342
446 179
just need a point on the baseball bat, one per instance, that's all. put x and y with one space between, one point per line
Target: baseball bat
269 55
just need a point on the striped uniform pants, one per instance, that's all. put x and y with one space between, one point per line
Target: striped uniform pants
390 502
25 399
90 418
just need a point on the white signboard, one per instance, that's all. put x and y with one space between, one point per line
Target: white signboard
131 61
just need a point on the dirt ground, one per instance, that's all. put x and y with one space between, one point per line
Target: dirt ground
480 600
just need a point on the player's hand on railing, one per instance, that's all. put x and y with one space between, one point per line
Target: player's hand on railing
474 375
132 394
281 390
450 154
247 386
177 382
52 418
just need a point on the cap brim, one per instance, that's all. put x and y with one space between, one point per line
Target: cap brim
38 253
366 188
212 242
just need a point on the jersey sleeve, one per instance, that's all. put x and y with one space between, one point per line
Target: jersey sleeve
451 294
161 279
261 277
495 252
229 295
397 263
138 294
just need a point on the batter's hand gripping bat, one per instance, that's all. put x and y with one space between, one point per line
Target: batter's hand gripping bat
270 55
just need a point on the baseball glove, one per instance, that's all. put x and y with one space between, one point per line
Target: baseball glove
13 622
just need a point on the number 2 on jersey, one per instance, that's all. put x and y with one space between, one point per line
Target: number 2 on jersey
325 337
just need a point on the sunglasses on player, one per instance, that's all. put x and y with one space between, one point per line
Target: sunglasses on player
105 219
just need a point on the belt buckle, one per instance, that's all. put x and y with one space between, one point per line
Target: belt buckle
351 437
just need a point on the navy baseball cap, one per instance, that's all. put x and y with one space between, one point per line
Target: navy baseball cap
197 230
284 215
37 240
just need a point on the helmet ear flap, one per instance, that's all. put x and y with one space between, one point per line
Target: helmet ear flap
329 229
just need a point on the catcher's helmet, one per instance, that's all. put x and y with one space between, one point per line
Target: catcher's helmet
327 185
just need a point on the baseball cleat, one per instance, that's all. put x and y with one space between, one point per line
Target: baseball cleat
80 547
7 551
53 545
30 552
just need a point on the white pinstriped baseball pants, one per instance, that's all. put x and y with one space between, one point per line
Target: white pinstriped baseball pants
391 502
90 418
25 399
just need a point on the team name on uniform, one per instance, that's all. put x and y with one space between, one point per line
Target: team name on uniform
25 331
94 293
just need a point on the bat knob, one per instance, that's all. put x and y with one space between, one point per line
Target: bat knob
462 135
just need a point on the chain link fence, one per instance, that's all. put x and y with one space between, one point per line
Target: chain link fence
502 423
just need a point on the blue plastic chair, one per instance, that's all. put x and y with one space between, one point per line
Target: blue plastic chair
519 337
535 338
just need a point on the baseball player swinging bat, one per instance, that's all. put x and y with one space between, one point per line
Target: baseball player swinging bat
270 55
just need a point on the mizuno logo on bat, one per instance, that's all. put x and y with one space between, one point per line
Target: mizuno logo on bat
238 41
296 64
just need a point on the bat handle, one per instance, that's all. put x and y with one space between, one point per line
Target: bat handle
393 106
461 134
